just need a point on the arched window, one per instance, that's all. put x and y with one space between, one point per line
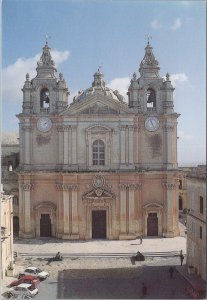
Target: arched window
151 99
44 98
98 149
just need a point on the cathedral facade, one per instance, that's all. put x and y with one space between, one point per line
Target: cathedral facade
99 167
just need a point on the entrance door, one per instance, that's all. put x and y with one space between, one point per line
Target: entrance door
45 225
98 224
152 224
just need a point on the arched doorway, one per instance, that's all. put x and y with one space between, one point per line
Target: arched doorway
45 226
152 224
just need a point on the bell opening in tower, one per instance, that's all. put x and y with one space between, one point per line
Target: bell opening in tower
44 98
151 99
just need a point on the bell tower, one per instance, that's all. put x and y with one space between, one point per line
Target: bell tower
45 94
151 98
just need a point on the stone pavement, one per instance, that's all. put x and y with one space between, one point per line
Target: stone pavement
52 246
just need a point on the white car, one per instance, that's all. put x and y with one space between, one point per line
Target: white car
24 290
35 272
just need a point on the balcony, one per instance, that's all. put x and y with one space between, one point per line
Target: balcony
44 109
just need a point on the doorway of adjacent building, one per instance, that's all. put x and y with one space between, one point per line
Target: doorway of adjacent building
45 225
98 224
152 224
16 226
180 202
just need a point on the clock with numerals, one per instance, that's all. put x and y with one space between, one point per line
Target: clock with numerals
44 124
152 124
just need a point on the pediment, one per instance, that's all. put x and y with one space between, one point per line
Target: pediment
98 128
98 193
153 205
45 204
98 105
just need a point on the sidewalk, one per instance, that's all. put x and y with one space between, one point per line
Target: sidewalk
194 280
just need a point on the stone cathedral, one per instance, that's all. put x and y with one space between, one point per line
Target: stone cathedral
99 168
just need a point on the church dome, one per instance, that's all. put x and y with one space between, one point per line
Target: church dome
98 87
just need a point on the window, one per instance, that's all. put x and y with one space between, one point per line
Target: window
10 165
180 184
44 98
151 99
201 205
15 200
201 232
98 153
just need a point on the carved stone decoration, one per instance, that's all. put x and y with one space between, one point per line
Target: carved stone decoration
66 186
27 186
44 204
169 186
98 181
132 186
99 192
43 140
97 202
168 127
63 128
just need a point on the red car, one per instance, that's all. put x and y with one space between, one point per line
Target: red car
26 279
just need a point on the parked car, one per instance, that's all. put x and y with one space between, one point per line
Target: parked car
26 279
24 289
35 272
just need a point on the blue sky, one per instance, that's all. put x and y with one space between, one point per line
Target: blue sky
87 34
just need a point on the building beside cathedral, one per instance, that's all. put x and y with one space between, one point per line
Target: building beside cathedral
99 167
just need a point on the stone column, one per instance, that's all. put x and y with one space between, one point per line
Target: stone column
123 145
21 212
65 144
27 211
123 205
65 212
139 222
27 130
131 145
60 140
131 209
169 186
74 145
75 231
169 141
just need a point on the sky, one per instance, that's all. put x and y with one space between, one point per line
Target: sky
86 34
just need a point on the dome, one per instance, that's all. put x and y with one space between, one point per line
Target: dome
98 87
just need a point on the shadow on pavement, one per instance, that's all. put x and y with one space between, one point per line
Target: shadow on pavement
123 283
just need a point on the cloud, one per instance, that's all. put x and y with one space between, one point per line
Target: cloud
121 84
176 25
184 136
177 78
156 24
13 76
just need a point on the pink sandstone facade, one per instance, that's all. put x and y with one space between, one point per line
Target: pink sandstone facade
101 167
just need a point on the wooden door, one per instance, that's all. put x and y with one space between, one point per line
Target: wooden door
152 224
45 225
99 224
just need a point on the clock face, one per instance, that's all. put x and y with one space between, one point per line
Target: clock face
44 124
152 124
